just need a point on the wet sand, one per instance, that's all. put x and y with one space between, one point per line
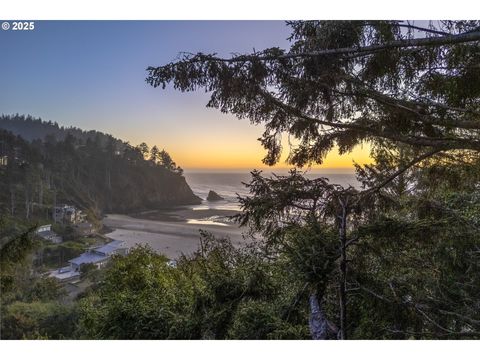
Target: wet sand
182 214
171 236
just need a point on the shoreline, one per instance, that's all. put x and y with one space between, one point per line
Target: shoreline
173 232
182 214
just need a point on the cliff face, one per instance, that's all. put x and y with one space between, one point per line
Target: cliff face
117 185
135 197
185 195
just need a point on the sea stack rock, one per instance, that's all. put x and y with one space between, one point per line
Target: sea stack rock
213 196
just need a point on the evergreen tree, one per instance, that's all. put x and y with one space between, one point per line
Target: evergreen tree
144 149
412 93
154 154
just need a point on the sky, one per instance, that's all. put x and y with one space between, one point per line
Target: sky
91 74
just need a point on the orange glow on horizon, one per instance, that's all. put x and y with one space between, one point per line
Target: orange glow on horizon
210 158
215 143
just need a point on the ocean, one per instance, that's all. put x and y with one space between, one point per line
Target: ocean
175 237
228 184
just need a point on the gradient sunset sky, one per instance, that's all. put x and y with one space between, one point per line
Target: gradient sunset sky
91 74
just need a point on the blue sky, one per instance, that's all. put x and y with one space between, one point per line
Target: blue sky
91 74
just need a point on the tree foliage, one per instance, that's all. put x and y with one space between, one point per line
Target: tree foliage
346 82
395 259
211 294
100 174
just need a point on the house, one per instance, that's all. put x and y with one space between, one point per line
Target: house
44 228
68 214
64 213
100 255
97 256
65 274
45 232
4 160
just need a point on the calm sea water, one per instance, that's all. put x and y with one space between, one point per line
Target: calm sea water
228 185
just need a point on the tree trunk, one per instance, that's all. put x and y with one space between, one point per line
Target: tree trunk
318 322
343 270
40 193
27 205
12 201
54 204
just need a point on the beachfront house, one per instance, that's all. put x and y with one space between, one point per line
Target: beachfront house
99 256
45 232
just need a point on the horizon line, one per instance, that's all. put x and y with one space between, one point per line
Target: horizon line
331 170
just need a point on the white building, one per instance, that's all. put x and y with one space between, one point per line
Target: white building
64 213
45 232
68 214
65 274
100 255
97 256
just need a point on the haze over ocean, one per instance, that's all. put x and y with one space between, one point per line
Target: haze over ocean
228 184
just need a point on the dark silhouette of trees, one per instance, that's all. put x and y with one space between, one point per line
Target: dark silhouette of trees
100 173
346 82
144 149
413 94
154 154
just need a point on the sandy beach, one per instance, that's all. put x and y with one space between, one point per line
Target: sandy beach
172 232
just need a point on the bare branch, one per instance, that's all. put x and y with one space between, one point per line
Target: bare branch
419 28
395 44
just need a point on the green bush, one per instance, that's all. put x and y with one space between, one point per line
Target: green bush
36 320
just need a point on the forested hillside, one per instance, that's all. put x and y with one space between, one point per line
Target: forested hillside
30 128
91 170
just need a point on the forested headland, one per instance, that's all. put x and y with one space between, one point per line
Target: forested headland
47 165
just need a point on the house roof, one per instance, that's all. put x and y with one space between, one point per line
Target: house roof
47 234
88 258
110 248
64 273
98 254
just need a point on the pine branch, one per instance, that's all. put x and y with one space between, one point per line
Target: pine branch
395 44
400 171
439 143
